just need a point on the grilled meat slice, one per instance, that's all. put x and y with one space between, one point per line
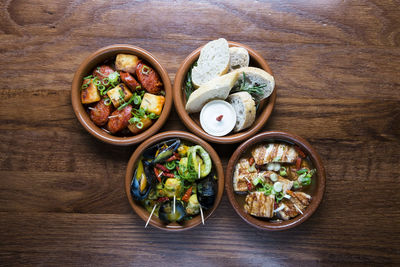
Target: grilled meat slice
260 205
281 153
242 175
297 204
287 184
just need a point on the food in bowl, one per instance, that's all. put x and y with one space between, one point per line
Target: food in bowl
174 180
274 180
224 73
123 96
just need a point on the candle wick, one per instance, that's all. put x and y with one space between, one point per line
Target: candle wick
219 118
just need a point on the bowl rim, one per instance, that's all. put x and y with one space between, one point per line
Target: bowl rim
261 119
84 118
316 198
140 211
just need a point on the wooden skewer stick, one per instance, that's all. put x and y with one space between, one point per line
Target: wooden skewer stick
151 214
91 108
174 203
202 216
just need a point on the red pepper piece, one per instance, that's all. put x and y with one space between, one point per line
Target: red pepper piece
157 174
162 199
187 194
169 175
301 153
251 161
162 167
298 163
249 186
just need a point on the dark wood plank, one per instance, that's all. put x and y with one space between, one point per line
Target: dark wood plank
119 239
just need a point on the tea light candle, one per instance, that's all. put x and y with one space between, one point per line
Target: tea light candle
218 118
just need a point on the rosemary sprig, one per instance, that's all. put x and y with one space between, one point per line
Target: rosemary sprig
254 91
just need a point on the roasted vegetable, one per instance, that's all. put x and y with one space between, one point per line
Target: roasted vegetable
152 103
90 94
127 63
119 94
144 123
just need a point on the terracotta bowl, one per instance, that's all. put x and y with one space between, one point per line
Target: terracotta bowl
142 212
99 57
192 121
317 186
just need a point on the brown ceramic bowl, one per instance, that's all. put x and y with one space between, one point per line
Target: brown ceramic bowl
142 212
99 57
316 190
192 121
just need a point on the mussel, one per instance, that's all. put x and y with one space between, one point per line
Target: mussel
142 180
206 191
161 151
166 211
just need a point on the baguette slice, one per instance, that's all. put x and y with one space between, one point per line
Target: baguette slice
213 62
245 109
256 77
218 88
239 58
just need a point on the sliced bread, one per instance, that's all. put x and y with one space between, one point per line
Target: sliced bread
239 58
256 77
218 88
245 109
213 62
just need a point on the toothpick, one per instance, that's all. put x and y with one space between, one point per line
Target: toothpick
247 179
113 116
161 173
174 203
91 108
151 214
202 216
297 208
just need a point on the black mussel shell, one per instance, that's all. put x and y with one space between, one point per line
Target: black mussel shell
206 191
172 146
135 184
166 211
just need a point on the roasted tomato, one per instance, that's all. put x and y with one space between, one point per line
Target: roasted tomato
130 81
99 113
102 72
148 78
121 119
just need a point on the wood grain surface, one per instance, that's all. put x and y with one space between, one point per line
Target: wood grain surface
337 70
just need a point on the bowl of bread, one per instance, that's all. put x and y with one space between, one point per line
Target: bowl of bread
224 92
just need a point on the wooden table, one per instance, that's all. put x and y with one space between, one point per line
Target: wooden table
337 69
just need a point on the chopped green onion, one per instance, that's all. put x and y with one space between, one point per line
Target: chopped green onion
138 87
283 171
114 77
153 116
134 120
170 165
88 77
139 125
121 94
279 196
101 87
301 171
145 70
84 86
97 82
136 99
252 168
107 101
296 185
258 180
305 181
106 81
